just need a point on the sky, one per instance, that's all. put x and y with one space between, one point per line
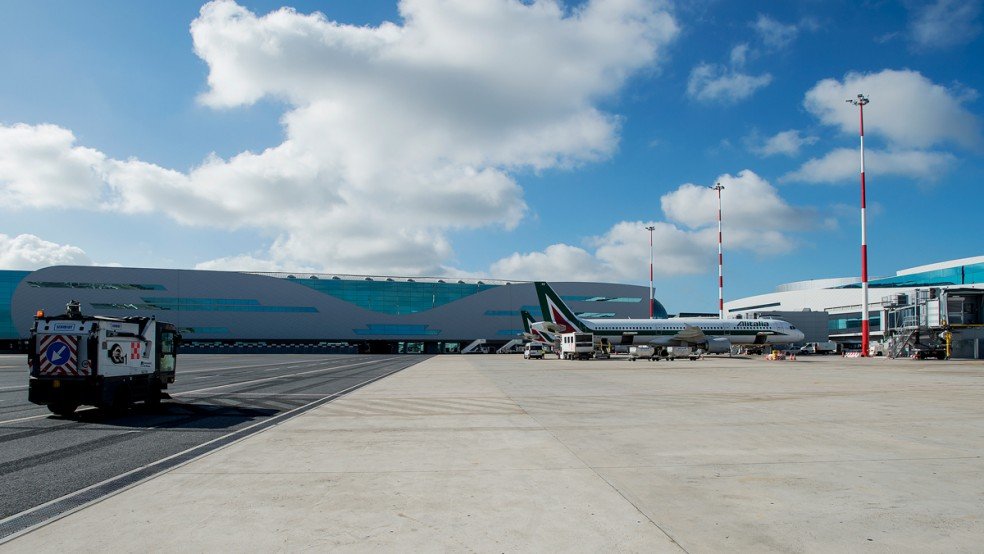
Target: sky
492 138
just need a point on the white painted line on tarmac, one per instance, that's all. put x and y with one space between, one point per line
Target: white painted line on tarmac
213 370
281 376
281 418
42 415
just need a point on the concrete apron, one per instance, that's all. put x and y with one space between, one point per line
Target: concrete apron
493 453
434 458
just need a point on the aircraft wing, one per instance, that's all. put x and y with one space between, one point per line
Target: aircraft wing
691 335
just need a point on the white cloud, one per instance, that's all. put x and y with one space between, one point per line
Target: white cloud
906 108
911 113
40 166
575 264
718 84
739 54
247 262
787 143
749 204
774 34
395 135
755 219
843 166
945 23
31 252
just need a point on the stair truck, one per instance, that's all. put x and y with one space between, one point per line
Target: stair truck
108 362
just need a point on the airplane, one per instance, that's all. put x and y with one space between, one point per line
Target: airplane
709 335
543 332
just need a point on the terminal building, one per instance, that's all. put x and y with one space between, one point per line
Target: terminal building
912 307
295 312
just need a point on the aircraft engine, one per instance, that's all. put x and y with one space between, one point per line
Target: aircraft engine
718 346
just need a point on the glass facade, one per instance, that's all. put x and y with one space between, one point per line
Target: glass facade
97 286
204 330
533 310
8 282
202 305
394 297
851 323
957 275
625 299
383 329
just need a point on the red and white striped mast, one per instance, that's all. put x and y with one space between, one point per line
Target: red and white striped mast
865 325
718 187
652 298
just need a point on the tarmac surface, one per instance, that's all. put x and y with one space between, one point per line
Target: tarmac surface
494 453
45 460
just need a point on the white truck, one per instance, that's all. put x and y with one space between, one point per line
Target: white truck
576 346
826 347
109 362
533 350
641 351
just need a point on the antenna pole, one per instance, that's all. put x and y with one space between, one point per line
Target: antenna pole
719 187
865 323
652 297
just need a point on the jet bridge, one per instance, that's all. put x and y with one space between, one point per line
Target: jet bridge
917 322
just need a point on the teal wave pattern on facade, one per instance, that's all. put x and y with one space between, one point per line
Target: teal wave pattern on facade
8 282
394 297
958 275
94 286
202 305
383 329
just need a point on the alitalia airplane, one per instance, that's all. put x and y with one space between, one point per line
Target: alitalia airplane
709 335
540 331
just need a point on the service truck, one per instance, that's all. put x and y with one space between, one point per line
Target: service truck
109 362
576 346
826 347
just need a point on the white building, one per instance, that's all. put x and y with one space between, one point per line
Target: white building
841 299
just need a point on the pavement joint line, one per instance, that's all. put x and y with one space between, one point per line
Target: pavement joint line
594 471
794 462
244 434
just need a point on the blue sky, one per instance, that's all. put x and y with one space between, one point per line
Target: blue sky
491 138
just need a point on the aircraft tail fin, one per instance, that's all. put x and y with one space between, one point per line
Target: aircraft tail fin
556 311
527 321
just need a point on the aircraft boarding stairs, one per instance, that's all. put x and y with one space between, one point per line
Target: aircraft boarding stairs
508 347
905 337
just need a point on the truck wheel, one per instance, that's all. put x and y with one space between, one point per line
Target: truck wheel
121 401
153 397
64 409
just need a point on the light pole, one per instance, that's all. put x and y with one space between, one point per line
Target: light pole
652 297
865 325
719 187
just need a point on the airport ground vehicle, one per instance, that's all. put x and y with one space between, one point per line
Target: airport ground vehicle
576 346
533 350
109 362
828 347
641 351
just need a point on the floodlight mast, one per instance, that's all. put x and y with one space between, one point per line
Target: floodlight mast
865 324
719 187
652 297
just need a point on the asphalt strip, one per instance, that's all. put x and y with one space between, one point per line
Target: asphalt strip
39 516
